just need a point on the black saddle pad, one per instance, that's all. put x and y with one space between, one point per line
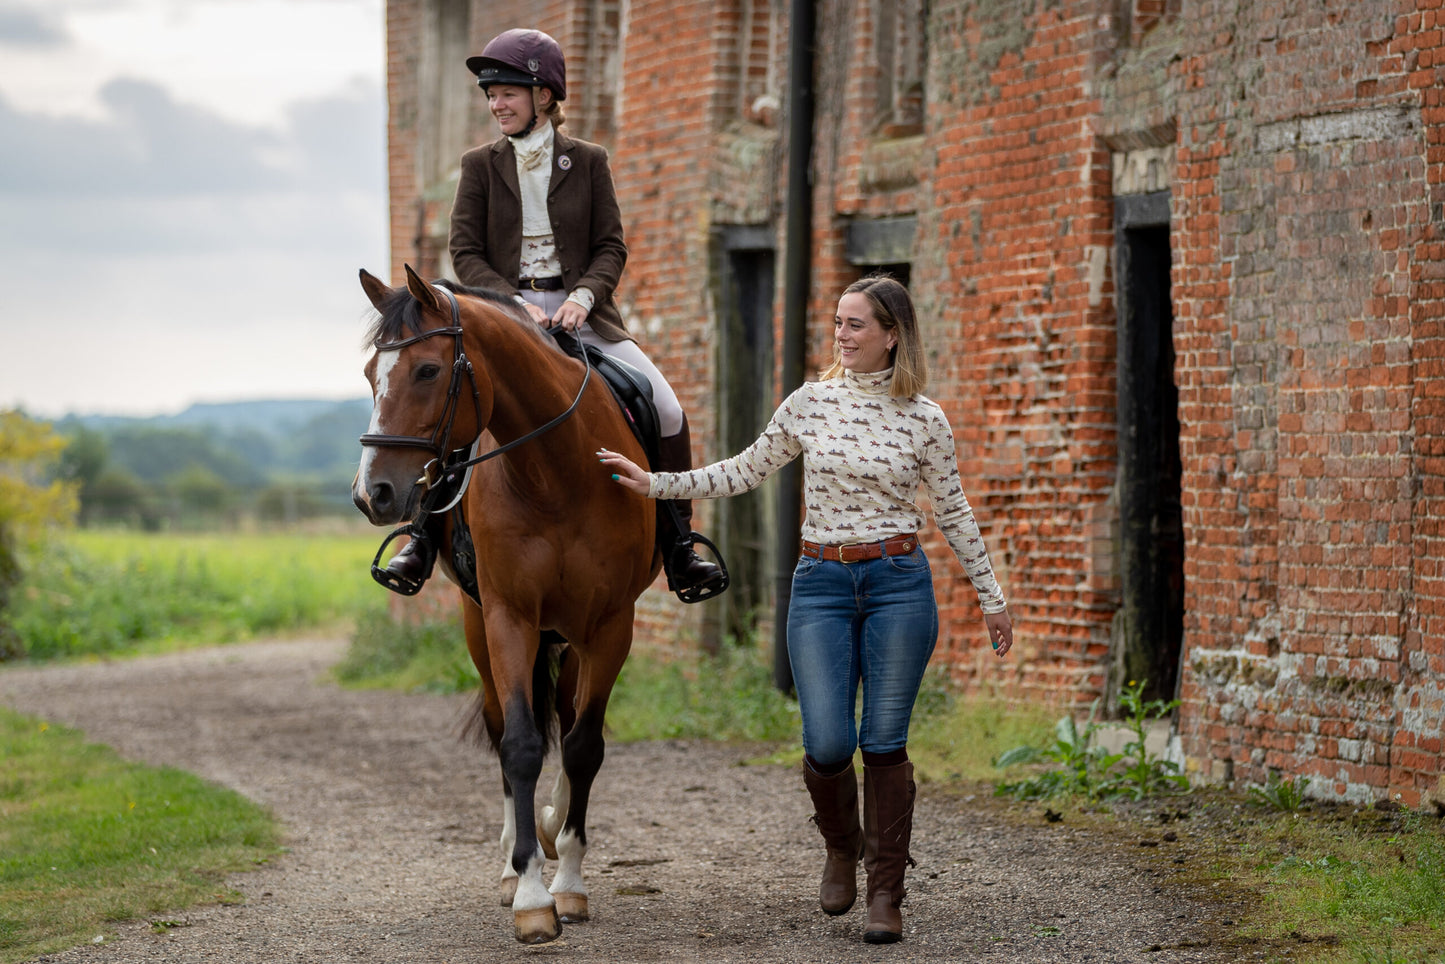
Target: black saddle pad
629 387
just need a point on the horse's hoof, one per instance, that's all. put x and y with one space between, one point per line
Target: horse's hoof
572 907
548 843
537 926
509 890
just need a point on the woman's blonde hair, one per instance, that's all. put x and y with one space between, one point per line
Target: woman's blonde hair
893 309
553 110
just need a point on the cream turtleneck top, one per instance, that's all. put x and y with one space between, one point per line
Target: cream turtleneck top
864 455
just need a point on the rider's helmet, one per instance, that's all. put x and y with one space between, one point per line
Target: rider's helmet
522 58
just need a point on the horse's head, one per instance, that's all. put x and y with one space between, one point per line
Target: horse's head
424 403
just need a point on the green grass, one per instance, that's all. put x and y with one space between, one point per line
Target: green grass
1370 889
116 592
87 839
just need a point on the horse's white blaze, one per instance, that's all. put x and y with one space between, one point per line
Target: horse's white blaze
509 836
570 851
531 892
386 361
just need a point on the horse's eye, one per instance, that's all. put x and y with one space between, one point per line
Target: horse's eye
427 373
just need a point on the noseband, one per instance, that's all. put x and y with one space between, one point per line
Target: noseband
439 443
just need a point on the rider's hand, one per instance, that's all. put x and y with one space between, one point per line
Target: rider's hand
537 315
570 316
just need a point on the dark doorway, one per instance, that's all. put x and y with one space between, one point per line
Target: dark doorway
744 405
1151 625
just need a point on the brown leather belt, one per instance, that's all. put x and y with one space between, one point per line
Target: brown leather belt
862 551
553 283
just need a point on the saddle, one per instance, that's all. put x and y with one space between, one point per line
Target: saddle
629 387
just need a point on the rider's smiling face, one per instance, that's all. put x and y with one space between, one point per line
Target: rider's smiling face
512 107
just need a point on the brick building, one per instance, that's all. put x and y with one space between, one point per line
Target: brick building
1180 268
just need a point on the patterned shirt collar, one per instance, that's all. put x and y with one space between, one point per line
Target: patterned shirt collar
869 383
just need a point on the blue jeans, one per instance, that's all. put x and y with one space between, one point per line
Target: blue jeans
874 622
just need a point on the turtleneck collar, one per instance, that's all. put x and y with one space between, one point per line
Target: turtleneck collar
869 383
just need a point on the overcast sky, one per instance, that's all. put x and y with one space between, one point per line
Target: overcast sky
187 189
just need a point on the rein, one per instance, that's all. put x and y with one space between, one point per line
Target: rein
439 444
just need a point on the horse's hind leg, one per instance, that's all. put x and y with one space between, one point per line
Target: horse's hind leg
551 817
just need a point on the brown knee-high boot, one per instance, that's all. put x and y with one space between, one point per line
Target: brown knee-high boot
835 805
888 794
674 454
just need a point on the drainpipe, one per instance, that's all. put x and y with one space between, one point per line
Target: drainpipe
797 267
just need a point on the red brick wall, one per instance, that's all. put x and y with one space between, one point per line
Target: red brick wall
1307 157
1301 216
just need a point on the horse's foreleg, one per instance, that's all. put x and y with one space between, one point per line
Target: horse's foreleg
508 844
489 715
534 911
582 752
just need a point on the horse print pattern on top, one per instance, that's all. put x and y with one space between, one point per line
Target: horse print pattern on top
864 455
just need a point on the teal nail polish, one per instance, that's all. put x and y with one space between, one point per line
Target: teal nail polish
615 478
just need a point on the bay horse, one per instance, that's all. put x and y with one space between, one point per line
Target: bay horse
562 552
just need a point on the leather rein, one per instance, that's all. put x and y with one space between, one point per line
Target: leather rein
440 441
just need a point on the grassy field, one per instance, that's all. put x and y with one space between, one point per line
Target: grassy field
87 838
115 592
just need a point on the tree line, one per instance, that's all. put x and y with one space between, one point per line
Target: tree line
154 473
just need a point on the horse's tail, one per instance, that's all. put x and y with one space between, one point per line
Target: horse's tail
545 670
544 685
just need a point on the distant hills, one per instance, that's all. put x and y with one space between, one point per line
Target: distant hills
264 415
231 456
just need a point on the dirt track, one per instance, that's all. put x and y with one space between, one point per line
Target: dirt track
392 826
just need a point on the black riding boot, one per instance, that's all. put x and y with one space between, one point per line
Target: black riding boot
413 564
674 454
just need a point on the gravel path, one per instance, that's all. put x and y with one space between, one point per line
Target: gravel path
392 826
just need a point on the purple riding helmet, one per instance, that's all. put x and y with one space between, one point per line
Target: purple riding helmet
522 58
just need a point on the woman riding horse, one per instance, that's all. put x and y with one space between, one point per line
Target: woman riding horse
561 553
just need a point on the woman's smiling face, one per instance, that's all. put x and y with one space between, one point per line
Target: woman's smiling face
863 343
511 106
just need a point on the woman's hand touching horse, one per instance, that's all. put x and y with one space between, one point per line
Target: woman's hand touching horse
625 472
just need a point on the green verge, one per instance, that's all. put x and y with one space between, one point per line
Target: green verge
1343 885
88 839
119 592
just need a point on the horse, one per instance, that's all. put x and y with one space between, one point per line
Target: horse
562 552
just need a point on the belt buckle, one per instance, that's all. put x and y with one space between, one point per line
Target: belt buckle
851 545
532 283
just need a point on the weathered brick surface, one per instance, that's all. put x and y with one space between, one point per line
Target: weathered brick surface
1301 143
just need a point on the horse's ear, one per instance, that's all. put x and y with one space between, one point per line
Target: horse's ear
420 290
376 289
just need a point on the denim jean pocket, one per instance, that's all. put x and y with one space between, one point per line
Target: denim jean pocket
806 564
914 561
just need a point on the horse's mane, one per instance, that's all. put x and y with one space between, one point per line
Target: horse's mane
400 316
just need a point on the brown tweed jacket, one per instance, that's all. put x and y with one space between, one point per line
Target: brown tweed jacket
486 230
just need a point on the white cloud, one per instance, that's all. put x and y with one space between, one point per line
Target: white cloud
158 247
245 60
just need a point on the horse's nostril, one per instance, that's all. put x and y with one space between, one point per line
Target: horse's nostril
382 496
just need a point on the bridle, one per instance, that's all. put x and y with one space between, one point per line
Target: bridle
439 443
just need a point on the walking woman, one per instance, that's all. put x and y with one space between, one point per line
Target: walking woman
536 217
863 607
